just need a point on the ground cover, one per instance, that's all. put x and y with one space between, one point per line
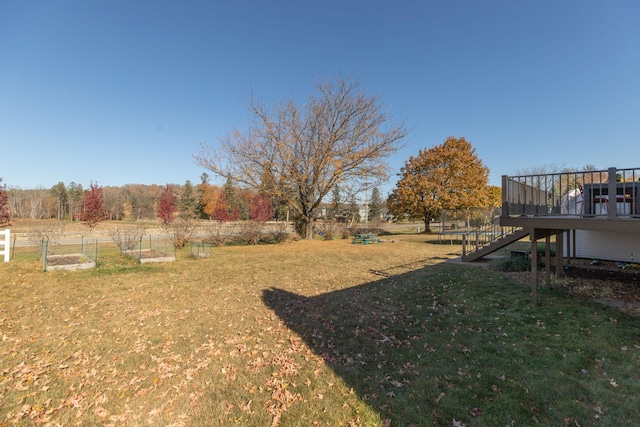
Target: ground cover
307 333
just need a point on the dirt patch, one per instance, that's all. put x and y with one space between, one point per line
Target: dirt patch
150 253
67 259
606 282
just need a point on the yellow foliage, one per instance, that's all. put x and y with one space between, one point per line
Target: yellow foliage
447 176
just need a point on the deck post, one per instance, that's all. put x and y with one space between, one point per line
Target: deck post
505 196
559 254
534 268
547 261
612 206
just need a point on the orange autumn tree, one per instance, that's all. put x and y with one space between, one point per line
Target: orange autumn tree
448 176
216 205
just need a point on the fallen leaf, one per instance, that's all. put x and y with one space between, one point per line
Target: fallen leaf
475 412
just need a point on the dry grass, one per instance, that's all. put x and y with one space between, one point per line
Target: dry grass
186 343
303 334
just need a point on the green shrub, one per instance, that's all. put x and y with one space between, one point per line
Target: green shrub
511 264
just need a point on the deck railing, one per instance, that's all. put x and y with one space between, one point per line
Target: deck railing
612 193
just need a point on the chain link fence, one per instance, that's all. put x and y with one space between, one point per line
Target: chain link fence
69 257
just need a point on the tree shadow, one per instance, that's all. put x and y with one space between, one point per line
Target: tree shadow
373 336
448 341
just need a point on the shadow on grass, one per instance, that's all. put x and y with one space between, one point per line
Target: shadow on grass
375 336
453 342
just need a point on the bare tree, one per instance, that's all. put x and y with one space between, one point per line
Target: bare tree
49 231
35 199
182 230
114 202
127 237
340 136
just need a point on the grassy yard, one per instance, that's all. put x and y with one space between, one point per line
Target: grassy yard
307 333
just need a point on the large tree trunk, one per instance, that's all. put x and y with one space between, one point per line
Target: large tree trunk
427 224
309 229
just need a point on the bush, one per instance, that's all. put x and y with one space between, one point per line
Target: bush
181 230
219 233
127 237
280 232
329 229
345 232
511 264
251 232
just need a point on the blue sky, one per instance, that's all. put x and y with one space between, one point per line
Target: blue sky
119 92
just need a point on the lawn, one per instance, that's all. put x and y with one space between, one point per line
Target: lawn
307 333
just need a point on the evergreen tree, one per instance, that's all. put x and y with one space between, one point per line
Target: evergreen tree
334 207
75 193
187 199
236 206
201 204
375 205
59 191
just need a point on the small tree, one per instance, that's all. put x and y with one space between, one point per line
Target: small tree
93 209
5 212
181 230
127 237
167 205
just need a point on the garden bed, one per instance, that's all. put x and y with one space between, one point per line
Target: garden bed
69 262
150 255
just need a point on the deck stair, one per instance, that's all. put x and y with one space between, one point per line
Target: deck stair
483 241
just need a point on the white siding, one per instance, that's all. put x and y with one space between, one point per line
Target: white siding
606 246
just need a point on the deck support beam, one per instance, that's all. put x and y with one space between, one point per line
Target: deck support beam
537 234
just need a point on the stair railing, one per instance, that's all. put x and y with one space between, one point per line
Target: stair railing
484 236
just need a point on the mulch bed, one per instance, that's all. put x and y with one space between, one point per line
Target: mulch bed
150 253
606 283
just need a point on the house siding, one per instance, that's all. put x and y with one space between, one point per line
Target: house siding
610 246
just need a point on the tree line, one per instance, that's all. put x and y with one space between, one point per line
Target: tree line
204 200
